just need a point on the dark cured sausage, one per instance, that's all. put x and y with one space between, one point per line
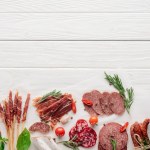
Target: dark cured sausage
144 128
136 129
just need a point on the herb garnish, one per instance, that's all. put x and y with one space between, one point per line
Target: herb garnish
71 144
114 143
3 141
127 94
54 93
24 142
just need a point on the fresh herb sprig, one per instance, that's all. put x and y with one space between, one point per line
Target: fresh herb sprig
127 94
3 141
114 144
54 93
71 144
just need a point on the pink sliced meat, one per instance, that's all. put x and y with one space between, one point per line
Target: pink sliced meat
116 103
40 127
95 97
88 137
81 124
112 131
89 109
101 148
105 103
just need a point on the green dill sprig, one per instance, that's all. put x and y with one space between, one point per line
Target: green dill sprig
54 93
127 94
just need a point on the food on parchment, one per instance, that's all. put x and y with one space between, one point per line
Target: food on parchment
103 103
81 124
24 141
94 108
125 93
40 127
93 120
139 134
74 109
124 127
3 141
81 135
65 119
87 137
116 103
11 113
60 131
53 106
111 136
44 143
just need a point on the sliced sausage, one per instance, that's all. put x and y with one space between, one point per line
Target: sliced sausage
112 131
88 137
95 97
40 127
101 148
89 109
81 124
116 103
104 101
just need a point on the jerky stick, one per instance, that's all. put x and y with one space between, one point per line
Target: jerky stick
19 112
25 110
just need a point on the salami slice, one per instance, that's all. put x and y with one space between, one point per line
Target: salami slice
116 103
112 130
105 103
40 127
81 124
89 109
88 137
73 134
101 148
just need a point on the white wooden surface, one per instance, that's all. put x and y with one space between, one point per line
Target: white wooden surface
75 6
74 26
72 39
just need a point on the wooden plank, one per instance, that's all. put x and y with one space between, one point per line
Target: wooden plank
74 26
75 54
29 79
75 6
